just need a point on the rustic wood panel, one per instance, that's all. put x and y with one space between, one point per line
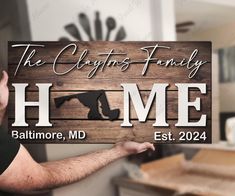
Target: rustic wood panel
179 50
73 109
110 78
111 132
72 115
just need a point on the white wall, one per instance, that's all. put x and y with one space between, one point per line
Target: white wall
48 17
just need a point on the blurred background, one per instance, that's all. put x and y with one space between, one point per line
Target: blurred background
131 20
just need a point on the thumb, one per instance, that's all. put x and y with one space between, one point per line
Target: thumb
145 146
4 79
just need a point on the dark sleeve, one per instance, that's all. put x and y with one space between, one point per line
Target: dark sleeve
8 150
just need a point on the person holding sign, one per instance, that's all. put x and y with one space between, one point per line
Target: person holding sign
33 177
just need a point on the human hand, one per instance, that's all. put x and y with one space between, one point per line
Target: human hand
130 147
4 92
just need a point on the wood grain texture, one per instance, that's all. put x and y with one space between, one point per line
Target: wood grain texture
72 115
111 132
179 50
73 109
110 78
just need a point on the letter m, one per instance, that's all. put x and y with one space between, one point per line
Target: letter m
132 91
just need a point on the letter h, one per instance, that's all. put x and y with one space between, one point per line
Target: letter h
43 105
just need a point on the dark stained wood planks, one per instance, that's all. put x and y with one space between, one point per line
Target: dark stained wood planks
73 109
72 115
110 78
178 50
111 132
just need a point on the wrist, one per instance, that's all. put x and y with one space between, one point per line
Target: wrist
119 151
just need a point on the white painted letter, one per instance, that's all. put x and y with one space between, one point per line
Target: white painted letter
184 104
131 91
20 105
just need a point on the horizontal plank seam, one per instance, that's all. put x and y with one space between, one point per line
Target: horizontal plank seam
61 91
120 119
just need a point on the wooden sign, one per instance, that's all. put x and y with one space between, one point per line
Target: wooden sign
106 92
